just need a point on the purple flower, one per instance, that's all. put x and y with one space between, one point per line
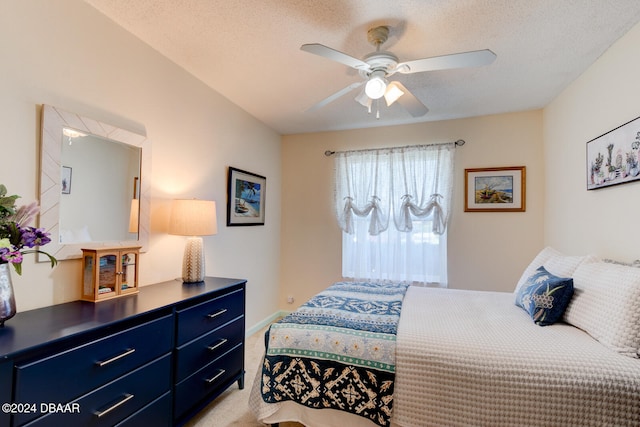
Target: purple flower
15 235
32 236
14 257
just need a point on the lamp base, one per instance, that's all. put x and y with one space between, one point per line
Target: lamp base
193 261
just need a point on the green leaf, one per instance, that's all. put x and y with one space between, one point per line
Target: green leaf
52 259
18 268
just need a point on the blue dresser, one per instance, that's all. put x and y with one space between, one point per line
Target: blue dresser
153 358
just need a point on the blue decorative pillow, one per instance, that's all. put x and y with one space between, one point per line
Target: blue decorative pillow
545 296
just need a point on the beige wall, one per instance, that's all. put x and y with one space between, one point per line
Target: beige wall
605 221
66 54
486 250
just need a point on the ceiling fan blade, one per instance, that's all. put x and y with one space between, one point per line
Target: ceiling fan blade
335 96
334 55
476 58
409 102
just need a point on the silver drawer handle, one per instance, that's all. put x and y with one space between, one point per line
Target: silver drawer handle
217 313
216 376
221 342
127 397
113 359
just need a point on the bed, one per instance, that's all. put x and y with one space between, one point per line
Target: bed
476 358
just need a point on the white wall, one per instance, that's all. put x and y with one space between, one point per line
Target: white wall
66 54
604 221
486 250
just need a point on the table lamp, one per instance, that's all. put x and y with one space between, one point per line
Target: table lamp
193 218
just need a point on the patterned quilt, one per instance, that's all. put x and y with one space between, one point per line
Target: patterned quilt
337 351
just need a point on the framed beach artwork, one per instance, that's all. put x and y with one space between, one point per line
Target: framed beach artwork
245 198
613 158
65 180
495 189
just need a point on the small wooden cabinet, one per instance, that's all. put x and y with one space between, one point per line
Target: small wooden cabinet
109 272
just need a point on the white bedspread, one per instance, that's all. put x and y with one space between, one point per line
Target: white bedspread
469 358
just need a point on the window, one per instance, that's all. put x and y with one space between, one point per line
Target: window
392 206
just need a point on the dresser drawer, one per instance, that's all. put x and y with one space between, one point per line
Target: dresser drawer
201 318
213 378
192 356
115 401
65 376
156 414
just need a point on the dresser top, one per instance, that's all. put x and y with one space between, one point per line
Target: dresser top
34 328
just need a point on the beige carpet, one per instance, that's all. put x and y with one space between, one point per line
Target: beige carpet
231 408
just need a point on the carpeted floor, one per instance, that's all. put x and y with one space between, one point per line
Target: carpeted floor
231 408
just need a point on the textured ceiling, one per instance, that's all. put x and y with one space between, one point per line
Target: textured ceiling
249 51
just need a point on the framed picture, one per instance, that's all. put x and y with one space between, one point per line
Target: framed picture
495 189
245 198
65 180
613 158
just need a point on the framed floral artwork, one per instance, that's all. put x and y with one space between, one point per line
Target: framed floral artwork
495 189
245 198
613 158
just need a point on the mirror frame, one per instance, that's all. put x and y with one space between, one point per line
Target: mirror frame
53 121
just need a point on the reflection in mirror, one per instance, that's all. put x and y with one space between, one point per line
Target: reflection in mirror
94 184
92 191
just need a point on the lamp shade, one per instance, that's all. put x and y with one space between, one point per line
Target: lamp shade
392 94
134 216
363 99
193 217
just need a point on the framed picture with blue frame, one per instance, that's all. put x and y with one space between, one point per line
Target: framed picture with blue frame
246 196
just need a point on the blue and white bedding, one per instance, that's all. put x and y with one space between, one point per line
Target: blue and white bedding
337 351
474 358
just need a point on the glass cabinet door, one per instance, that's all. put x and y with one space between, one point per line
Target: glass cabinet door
107 277
128 271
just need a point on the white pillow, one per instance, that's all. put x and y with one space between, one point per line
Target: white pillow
555 263
606 305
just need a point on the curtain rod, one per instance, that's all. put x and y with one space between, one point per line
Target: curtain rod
458 143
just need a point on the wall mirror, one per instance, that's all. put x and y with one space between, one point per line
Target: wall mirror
94 184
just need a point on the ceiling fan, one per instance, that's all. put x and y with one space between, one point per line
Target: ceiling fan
376 67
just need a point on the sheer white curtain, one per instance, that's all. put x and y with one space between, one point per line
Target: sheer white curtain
393 206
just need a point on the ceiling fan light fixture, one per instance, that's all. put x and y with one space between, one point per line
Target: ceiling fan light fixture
363 99
392 94
376 85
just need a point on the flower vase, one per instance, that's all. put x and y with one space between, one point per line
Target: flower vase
7 299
